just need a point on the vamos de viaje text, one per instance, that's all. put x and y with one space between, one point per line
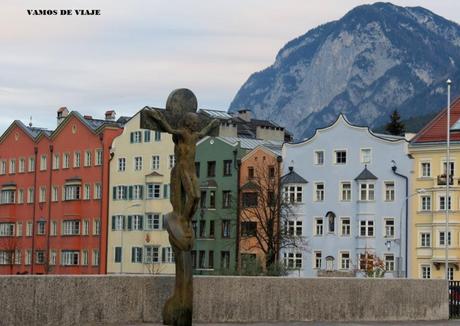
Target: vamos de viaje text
63 12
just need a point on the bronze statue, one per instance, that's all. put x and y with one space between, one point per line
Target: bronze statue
181 120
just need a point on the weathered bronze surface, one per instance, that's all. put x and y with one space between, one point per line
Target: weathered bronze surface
181 120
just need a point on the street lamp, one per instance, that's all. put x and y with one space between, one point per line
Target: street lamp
121 235
446 203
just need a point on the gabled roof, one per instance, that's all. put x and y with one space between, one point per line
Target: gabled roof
436 129
366 175
249 186
154 174
215 114
32 132
292 177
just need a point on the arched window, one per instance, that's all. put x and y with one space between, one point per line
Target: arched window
331 221
329 263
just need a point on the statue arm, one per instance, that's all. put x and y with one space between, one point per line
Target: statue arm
213 124
161 121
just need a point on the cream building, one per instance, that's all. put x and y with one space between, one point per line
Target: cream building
139 199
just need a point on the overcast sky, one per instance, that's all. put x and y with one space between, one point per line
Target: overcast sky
137 51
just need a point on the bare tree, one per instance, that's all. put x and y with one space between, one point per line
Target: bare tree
265 215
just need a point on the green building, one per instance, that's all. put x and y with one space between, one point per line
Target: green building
215 222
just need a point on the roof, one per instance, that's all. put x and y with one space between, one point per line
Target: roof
436 129
250 143
215 114
292 177
249 186
366 175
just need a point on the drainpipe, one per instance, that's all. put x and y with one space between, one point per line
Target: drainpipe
393 168
33 209
237 165
49 211
102 266
279 159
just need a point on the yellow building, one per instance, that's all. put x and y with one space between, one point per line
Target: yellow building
428 200
139 199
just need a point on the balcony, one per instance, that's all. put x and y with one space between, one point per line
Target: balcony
442 179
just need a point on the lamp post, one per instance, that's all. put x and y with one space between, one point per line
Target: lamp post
121 235
446 203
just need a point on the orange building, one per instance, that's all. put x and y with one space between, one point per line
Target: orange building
259 207
54 187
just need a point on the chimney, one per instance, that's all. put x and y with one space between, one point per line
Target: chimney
244 114
110 115
87 117
62 113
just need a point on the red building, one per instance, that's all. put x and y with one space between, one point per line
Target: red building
54 188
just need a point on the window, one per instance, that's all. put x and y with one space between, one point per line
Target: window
136 192
366 261
12 166
426 203
71 227
426 271
250 199
345 191
366 191
318 259
318 226
331 222
389 191
5 257
53 256
341 157
18 257
22 165
96 227
41 227
197 169
76 160
87 192
39 257
442 238
201 259
19 229
172 161
29 227
426 169
225 259
152 221
66 161
211 259
345 260
389 228
225 228
8 196
85 229
95 257
389 263
20 196
98 157
155 162
442 203
118 253
136 255
203 199
451 170
293 194
3 167
450 272
31 165
70 257
226 198
56 158
251 173
150 254
30 195
345 226
54 193
271 172
211 229
425 239
88 158
157 136
248 229
147 136
319 157
138 163
227 168
42 196
319 191
122 164
212 199
293 260
53 230
43 163
72 192
135 222
153 191
6 229
118 222
84 257
294 228
366 228
97 191
211 169
120 192
136 137
366 155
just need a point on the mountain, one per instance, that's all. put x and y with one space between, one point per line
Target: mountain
375 59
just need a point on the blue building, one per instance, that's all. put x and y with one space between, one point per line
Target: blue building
349 189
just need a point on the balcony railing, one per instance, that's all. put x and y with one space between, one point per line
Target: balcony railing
442 179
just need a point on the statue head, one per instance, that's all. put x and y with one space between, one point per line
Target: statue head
191 121
181 101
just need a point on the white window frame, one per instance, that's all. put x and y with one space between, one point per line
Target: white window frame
348 192
368 191
318 226
389 193
425 173
316 158
363 155
336 152
342 226
318 194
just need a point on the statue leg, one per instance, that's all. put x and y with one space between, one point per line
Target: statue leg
190 184
175 191
178 309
